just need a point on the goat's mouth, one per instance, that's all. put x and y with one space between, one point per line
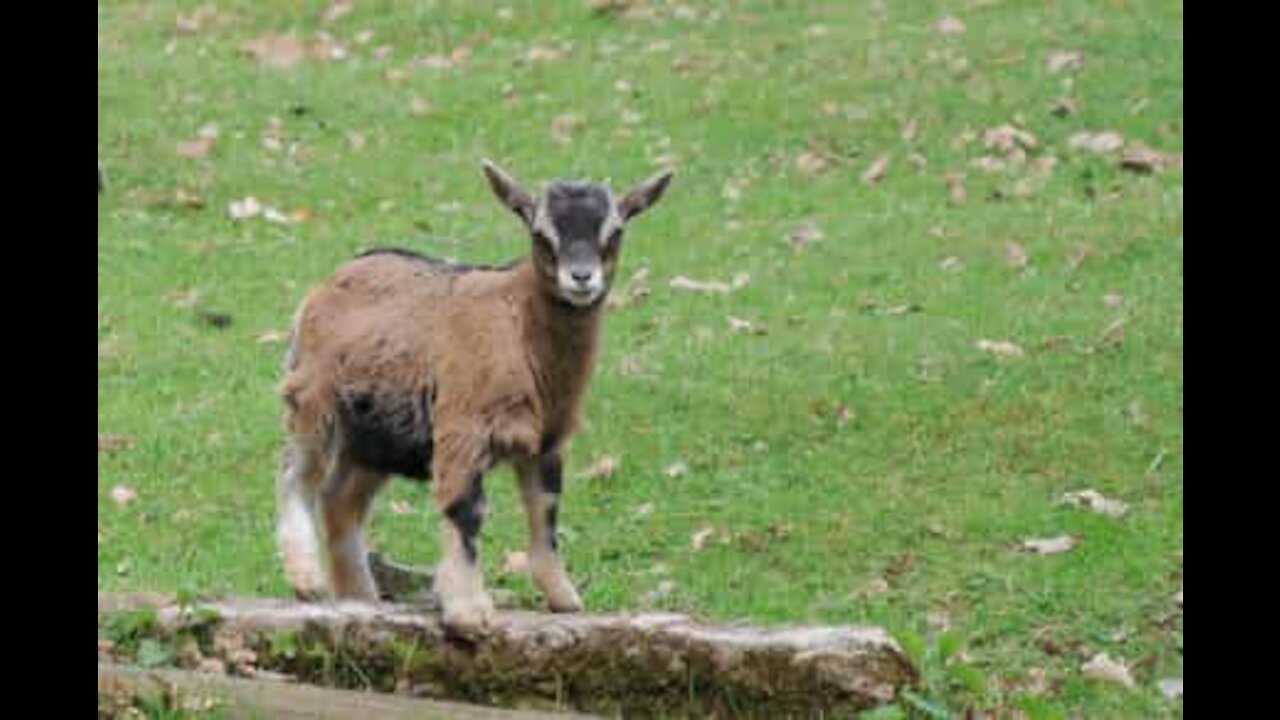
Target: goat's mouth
582 297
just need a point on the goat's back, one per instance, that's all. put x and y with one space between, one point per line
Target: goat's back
388 325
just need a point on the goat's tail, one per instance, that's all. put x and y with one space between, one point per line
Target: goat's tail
291 354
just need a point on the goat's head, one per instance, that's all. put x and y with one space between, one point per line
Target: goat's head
577 230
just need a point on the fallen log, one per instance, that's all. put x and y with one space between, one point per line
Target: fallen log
121 688
629 665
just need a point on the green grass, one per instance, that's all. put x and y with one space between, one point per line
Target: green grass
950 458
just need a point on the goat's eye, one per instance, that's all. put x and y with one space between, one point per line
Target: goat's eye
614 241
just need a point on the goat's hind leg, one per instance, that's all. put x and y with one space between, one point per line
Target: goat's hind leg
297 489
347 499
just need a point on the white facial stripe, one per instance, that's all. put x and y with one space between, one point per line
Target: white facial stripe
614 223
542 223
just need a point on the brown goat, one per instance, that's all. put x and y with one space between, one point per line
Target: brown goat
403 365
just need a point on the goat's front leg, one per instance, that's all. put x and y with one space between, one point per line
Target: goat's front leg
541 485
468 608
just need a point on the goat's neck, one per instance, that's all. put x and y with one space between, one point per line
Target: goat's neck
563 342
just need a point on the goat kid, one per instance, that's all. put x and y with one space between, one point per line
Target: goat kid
403 365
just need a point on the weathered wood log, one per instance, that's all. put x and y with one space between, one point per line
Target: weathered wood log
636 666
120 688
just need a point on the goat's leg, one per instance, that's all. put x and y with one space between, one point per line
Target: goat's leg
541 485
297 487
459 478
347 498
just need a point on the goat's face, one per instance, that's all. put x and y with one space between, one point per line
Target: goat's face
577 231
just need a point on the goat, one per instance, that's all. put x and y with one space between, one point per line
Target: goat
408 366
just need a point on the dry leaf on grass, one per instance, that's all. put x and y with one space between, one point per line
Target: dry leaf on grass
565 127
216 320
701 538
195 22
281 52
685 284
1003 349
1060 61
246 209
957 188
1100 143
1094 501
805 236
114 443
123 496
539 54
950 26
1139 158
1103 668
665 590
878 171
603 469
911 130
630 367
875 588
419 107
1052 546
199 147
1010 138
1016 255
746 327
990 164
638 290
812 164
1065 107
337 11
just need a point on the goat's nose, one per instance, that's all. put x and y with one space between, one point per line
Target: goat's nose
582 277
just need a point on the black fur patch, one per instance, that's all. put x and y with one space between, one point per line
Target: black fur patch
578 211
553 526
441 265
388 434
549 444
467 515
551 473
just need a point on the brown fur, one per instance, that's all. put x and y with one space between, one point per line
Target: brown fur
517 361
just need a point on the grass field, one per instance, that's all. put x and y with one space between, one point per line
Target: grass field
856 458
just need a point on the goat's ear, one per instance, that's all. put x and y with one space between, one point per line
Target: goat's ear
643 198
510 192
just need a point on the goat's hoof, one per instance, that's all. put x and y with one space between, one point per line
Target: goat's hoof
309 596
470 619
562 597
567 605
